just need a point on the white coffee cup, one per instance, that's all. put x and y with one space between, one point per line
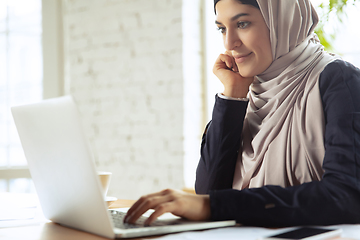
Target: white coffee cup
105 181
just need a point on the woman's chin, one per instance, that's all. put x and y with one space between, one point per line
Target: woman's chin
246 74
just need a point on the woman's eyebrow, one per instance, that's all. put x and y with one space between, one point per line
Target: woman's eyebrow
234 17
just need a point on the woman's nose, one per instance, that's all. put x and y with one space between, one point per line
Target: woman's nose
231 41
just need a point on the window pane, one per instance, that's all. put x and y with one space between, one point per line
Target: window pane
13 135
21 185
3 156
27 93
2 15
21 72
24 60
3 120
16 156
24 15
3 185
2 27
3 64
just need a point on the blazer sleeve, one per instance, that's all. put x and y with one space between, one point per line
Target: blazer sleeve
220 146
333 200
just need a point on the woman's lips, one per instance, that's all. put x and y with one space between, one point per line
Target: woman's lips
241 58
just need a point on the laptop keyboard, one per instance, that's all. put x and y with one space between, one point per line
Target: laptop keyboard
118 219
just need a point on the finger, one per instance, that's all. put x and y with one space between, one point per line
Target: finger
160 210
139 202
147 204
150 203
234 66
228 61
134 207
222 62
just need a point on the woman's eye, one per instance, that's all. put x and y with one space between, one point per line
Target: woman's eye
243 25
221 29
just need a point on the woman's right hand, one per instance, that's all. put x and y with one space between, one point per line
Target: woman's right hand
226 70
193 207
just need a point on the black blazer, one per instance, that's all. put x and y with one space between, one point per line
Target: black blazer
333 200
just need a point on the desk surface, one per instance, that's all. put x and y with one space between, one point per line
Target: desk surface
53 231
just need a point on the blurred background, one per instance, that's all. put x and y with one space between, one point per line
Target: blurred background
140 72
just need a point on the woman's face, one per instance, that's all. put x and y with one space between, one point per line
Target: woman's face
245 36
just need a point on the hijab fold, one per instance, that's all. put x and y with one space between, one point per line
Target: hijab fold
283 135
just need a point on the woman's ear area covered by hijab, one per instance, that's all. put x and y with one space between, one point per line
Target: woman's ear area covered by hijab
290 22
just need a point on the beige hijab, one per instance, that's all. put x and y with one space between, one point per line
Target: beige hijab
283 135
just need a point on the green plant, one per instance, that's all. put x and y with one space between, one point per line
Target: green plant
327 10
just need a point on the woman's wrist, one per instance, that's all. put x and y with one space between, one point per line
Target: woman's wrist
236 93
220 95
206 207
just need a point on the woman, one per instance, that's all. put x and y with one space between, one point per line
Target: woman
283 146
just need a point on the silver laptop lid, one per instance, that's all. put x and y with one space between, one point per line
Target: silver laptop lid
62 166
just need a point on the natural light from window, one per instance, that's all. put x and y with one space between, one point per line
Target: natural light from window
20 79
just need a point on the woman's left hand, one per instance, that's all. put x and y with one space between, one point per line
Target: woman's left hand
186 205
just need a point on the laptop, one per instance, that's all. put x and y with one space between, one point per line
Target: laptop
63 171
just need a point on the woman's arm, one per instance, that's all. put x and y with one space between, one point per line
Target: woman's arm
220 146
221 139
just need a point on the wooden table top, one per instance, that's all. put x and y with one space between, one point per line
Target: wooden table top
54 231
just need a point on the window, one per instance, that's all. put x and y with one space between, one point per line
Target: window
20 83
31 60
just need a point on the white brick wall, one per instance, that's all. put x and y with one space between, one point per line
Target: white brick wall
123 65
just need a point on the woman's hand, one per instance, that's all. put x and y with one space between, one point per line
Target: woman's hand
226 70
186 205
